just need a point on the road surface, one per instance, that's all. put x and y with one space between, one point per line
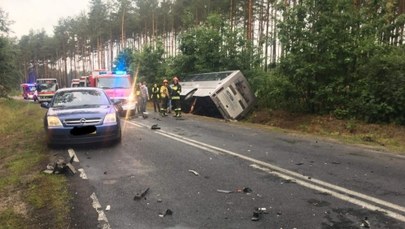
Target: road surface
199 172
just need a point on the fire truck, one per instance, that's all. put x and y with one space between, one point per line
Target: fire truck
46 88
75 83
117 85
29 91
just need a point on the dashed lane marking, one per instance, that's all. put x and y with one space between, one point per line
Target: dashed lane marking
102 218
73 154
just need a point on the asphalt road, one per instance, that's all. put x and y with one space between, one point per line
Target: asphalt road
185 169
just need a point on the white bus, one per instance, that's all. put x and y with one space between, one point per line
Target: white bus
224 94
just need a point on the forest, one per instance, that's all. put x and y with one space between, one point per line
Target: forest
344 58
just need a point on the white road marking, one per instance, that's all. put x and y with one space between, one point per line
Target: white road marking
73 154
82 174
346 198
334 190
102 218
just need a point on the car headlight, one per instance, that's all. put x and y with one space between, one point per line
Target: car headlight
54 121
110 118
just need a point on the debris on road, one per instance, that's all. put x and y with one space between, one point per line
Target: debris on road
194 172
224 191
258 212
141 195
155 127
300 163
108 207
365 223
60 167
246 190
167 212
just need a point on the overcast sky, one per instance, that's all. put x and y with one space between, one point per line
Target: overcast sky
40 14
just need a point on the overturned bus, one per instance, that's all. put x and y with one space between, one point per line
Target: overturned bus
224 94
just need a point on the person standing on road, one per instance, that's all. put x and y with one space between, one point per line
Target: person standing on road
144 96
164 97
156 98
138 98
175 96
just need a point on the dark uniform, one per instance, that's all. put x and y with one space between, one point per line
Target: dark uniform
156 97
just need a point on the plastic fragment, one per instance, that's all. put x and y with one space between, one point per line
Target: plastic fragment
223 191
139 196
194 172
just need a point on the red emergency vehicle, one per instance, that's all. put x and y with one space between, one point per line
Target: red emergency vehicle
29 91
46 88
117 85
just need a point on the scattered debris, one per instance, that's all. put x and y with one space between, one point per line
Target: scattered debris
256 216
224 191
141 195
105 172
108 207
258 212
155 127
145 114
279 214
335 163
245 190
300 163
167 212
159 200
194 172
60 167
365 223
71 159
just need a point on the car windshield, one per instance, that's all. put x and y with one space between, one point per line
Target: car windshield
49 85
113 82
80 98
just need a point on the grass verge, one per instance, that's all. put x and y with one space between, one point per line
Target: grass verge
384 137
28 198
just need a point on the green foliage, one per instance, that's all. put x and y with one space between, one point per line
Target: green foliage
343 59
379 94
8 65
214 46
275 91
151 62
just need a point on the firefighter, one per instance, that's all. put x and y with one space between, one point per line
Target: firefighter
164 97
156 97
175 96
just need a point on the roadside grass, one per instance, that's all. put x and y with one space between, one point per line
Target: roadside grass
28 198
383 137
